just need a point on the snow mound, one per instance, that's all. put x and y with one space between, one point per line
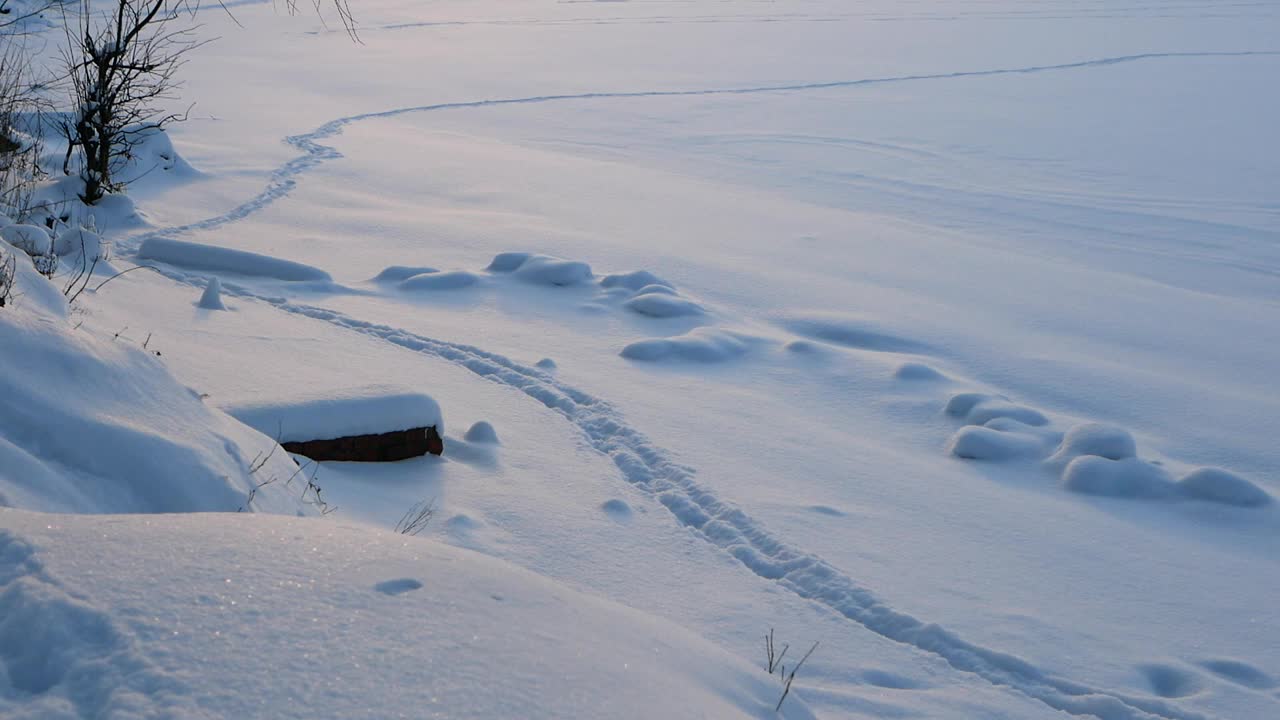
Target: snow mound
196 256
154 158
481 432
635 281
961 404
1106 441
57 204
917 372
974 442
396 273
850 331
211 299
96 424
332 414
985 412
661 305
1127 478
452 280
541 269
661 289
77 241
393 626
30 239
1221 486
705 345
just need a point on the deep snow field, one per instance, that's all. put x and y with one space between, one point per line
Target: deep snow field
945 334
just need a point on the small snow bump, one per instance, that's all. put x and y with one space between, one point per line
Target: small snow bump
452 280
1106 441
396 273
1128 478
211 299
634 281
662 305
1221 486
974 442
617 509
481 432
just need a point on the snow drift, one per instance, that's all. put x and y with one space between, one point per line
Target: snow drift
93 423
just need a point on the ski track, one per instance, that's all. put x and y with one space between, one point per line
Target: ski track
652 469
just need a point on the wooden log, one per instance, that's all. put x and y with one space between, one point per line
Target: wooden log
381 447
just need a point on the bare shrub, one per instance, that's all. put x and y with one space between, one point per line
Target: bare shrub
775 662
415 519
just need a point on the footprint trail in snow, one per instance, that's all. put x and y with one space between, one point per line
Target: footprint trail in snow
652 470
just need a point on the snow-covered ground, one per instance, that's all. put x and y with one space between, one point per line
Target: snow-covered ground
943 333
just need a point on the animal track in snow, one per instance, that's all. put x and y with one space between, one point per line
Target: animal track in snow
1169 681
1241 673
651 470
398 586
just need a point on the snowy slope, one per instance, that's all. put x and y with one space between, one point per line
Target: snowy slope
239 616
93 422
718 273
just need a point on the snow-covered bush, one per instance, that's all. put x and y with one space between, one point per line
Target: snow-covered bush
120 63
8 267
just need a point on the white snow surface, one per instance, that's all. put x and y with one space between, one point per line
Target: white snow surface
339 412
238 616
942 332
93 422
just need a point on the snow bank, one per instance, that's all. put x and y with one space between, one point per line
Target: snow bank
96 424
541 269
196 256
327 415
107 617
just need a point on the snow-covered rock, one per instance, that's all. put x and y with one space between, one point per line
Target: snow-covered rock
329 414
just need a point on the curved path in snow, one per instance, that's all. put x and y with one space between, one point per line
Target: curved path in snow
652 469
